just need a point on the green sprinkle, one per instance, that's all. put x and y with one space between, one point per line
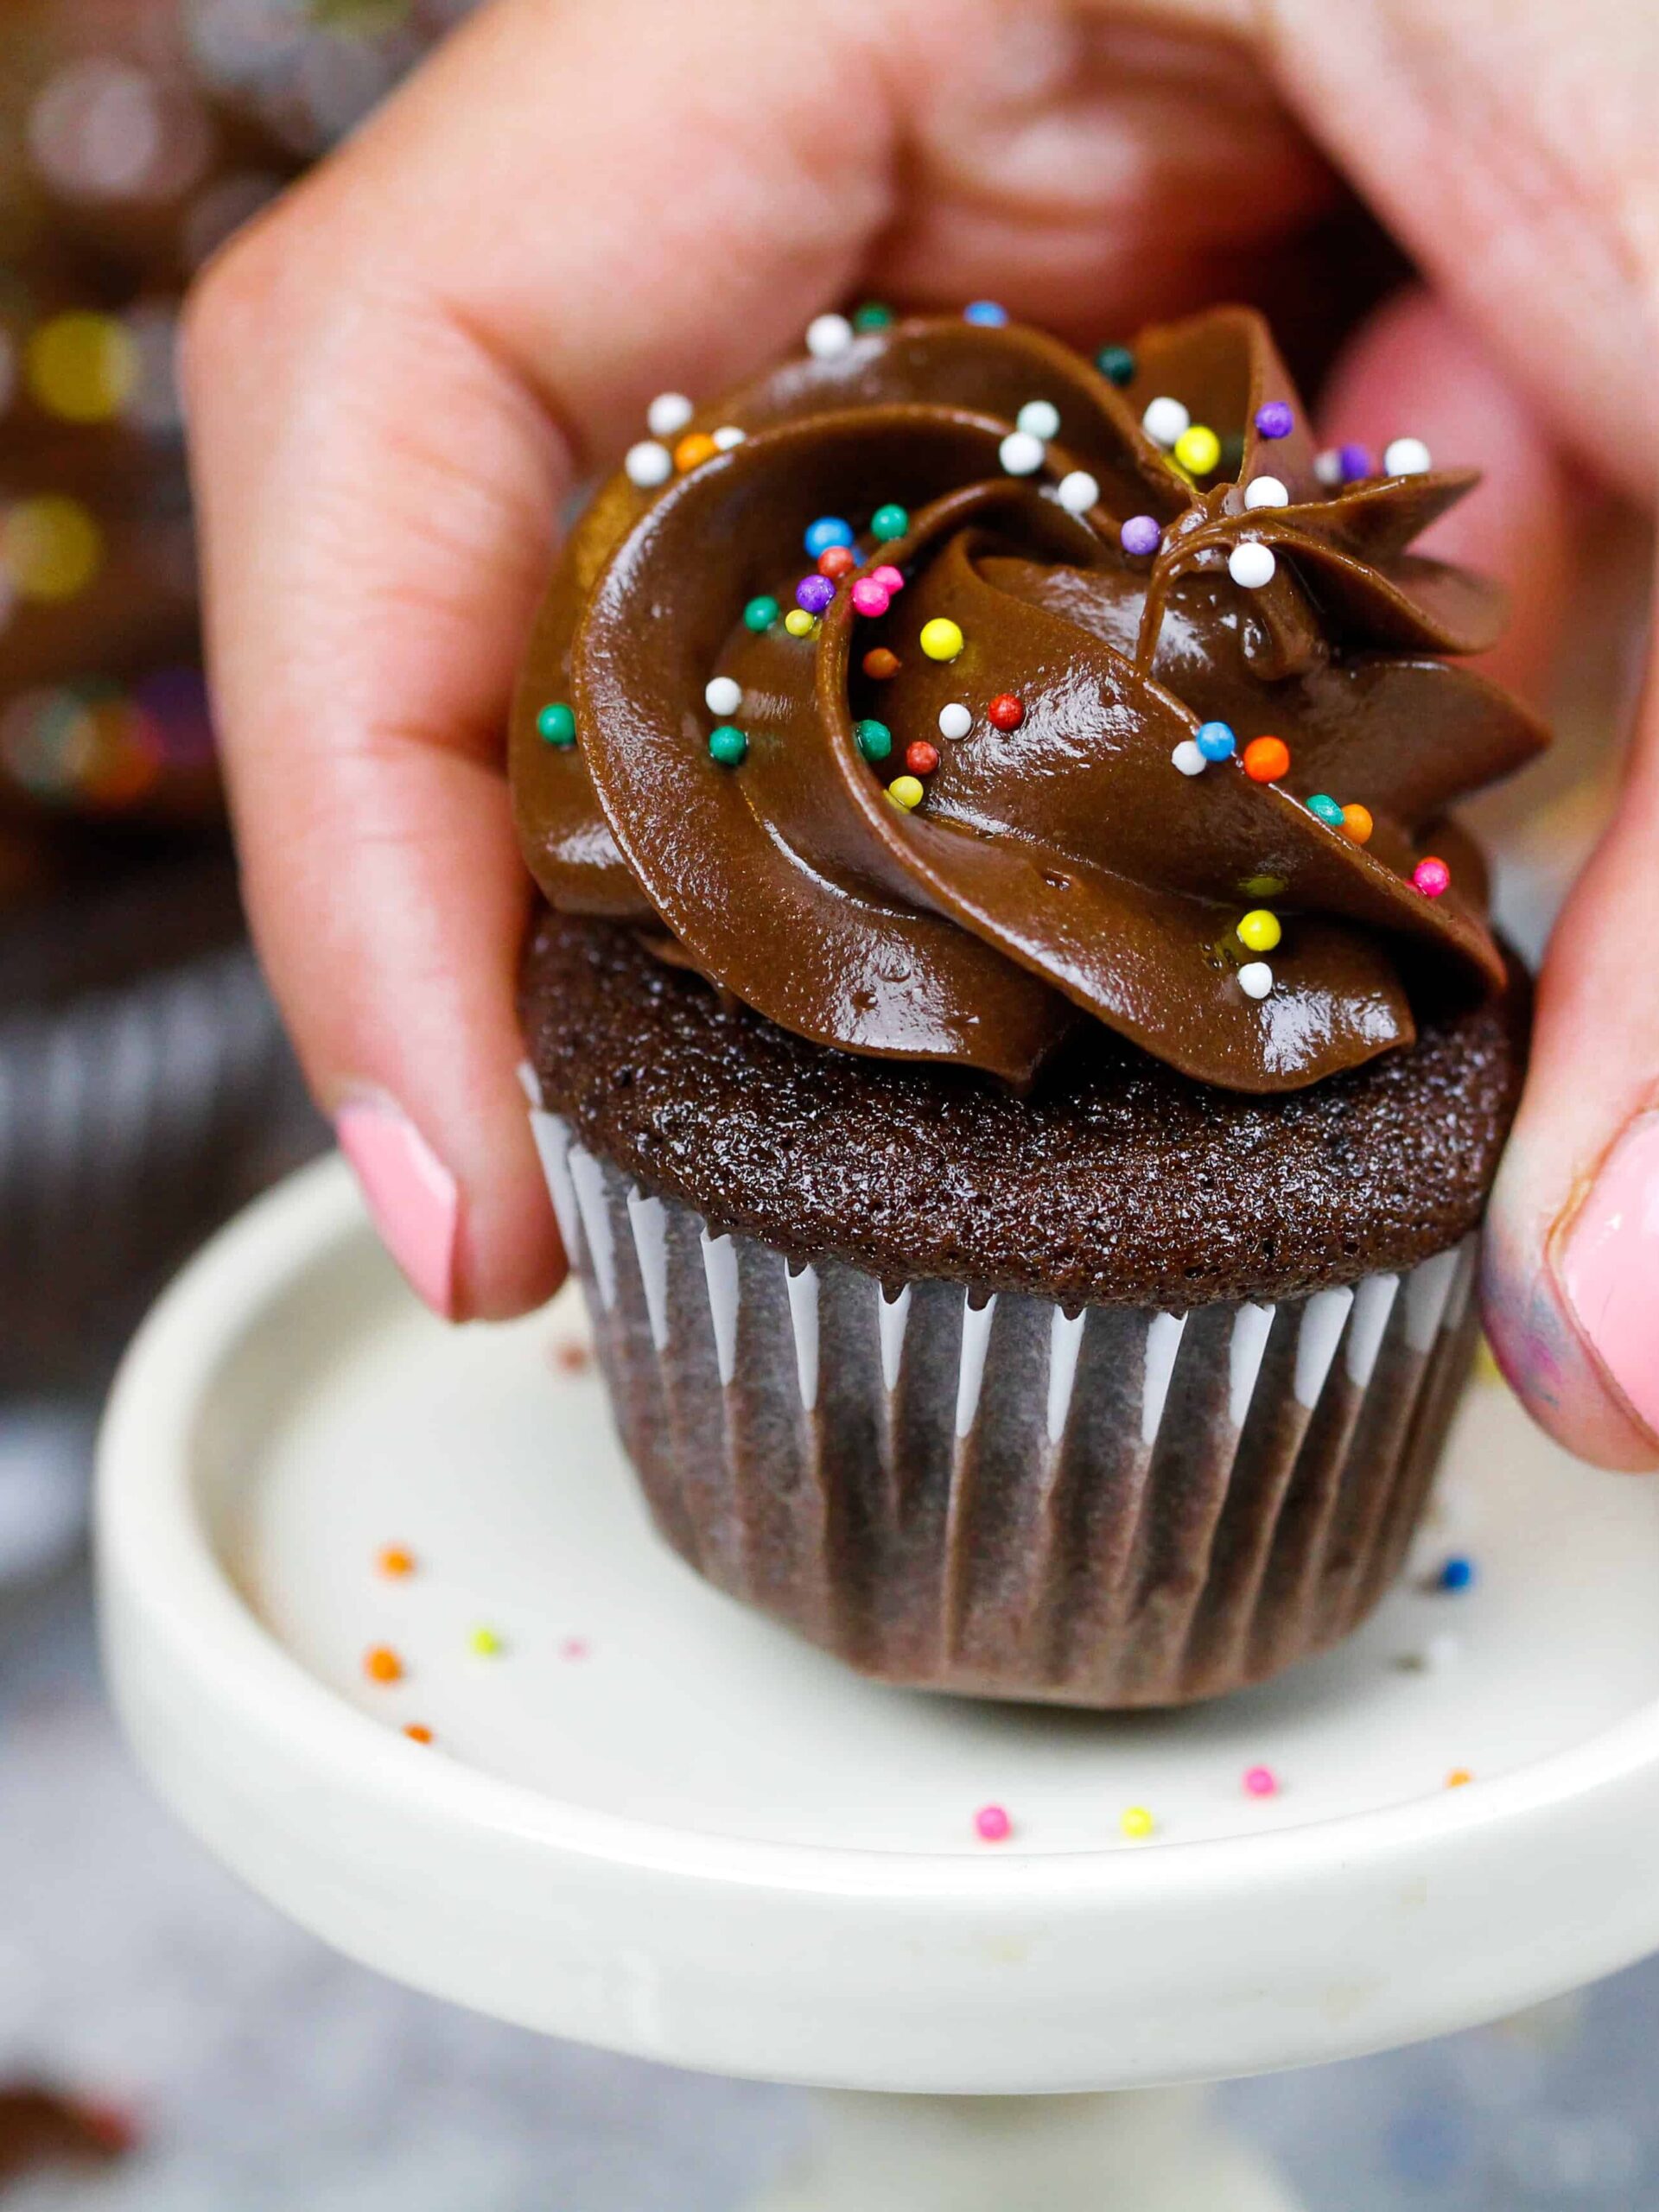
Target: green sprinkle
874 314
1116 363
760 613
891 521
727 744
1325 809
874 739
485 1642
558 724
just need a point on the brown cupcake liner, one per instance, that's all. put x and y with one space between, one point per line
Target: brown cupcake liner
994 1496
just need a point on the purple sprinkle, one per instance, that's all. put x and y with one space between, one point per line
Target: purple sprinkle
1354 461
814 593
1275 420
1140 534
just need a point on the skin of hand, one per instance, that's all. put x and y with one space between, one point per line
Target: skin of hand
396 377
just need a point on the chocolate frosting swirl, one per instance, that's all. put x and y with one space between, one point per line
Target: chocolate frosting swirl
1065 864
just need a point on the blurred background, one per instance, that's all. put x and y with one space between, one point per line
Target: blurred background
166 2041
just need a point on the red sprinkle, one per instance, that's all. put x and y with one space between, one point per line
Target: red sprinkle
1006 712
881 664
837 560
921 757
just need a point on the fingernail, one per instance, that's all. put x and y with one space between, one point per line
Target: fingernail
411 1194
1609 1266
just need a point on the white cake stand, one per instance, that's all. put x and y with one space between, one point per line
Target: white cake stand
651 1821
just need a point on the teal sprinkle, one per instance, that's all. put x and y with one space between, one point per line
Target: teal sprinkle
558 724
874 739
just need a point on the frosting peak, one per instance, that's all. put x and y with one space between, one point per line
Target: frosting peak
985 623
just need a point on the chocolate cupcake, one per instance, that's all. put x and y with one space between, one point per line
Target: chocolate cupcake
1017 1049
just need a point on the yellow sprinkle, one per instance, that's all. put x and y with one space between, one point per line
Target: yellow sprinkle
1459 1776
82 366
800 624
51 546
1137 1822
941 639
906 791
485 1642
1263 886
1260 929
1197 449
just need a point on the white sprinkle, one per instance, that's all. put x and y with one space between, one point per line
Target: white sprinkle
1251 564
1021 453
1188 759
1327 466
1266 491
1406 457
827 335
1164 421
728 435
668 412
955 721
724 697
648 463
1079 492
1255 979
1039 418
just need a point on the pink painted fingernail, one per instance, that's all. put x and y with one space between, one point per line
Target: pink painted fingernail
410 1194
1609 1266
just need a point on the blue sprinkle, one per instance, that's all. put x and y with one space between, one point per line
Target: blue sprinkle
1217 741
1458 1574
828 530
987 312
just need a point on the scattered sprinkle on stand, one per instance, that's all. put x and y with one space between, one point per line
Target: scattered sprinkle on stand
992 1824
827 335
881 664
1460 1778
573 1647
1006 712
1117 364
723 696
941 639
648 464
1140 535
1261 1782
668 414
874 739
382 1664
1457 1574
556 725
727 745
955 720
485 1642
1267 759
1432 877
1135 1823
1164 421
397 1560
1274 419
418 1731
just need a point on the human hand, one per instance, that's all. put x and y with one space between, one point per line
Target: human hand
396 379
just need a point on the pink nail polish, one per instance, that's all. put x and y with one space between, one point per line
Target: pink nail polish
1609 1266
412 1195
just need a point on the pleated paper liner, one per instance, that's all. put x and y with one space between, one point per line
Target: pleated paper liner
1118 1507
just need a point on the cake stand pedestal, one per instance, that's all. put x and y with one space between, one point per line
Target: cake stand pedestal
650 1820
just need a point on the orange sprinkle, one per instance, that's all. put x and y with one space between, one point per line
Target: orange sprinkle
881 664
1357 824
394 1559
418 1733
1266 759
1459 1775
382 1664
693 451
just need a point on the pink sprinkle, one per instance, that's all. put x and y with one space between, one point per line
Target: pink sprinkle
573 1647
992 1824
888 577
1261 1782
1432 877
870 597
